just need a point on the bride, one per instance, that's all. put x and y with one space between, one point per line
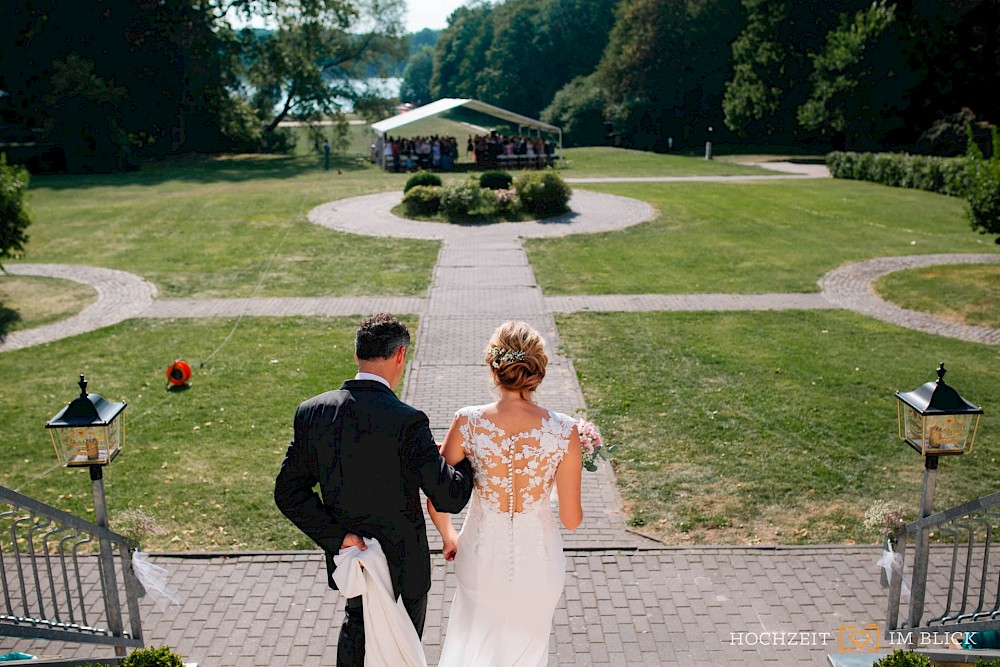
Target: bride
508 558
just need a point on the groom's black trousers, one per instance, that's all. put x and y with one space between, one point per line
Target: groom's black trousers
351 644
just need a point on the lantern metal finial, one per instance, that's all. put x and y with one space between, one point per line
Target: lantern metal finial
83 386
940 371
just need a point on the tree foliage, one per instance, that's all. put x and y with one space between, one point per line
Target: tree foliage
771 63
983 197
856 88
416 86
579 108
665 66
315 61
518 54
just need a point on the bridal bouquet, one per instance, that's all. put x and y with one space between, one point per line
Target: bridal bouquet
593 445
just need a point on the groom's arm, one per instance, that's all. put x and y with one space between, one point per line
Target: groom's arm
447 487
295 496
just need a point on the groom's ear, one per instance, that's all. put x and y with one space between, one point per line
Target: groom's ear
401 354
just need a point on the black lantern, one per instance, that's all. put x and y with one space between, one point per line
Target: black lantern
89 431
935 420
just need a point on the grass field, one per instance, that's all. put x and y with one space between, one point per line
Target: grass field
732 427
750 237
29 301
770 427
966 294
226 227
201 461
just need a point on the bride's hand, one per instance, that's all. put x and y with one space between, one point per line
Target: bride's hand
450 548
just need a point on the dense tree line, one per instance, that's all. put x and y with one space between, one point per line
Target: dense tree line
106 81
651 73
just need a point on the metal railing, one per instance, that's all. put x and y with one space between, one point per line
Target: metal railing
955 587
58 578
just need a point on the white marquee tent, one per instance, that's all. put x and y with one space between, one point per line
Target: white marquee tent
390 125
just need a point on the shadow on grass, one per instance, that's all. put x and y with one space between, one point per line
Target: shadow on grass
205 168
8 318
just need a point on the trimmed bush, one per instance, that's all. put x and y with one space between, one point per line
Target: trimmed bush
14 218
543 193
495 180
422 178
423 199
983 196
900 658
945 176
152 657
463 199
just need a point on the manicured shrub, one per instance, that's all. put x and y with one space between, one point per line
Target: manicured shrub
495 179
900 658
543 193
14 218
463 199
983 195
423 199
946 176
422 178
152 657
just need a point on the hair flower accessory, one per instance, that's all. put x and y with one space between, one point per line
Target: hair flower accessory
501 356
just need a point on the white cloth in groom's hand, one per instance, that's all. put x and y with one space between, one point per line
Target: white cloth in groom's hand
390 638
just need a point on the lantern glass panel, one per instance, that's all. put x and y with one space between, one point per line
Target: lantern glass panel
938 434
88 445
947 434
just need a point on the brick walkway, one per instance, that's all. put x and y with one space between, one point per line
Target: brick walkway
628 600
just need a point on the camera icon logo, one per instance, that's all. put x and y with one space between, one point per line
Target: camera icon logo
860 640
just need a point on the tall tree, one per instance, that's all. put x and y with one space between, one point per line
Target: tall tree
316 60
416 86
859 83
460 53
771 64
539 46
665 68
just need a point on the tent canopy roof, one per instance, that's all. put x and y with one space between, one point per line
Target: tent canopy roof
440 106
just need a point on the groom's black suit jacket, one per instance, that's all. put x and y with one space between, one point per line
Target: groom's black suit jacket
370 453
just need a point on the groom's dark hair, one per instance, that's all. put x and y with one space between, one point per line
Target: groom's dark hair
379 336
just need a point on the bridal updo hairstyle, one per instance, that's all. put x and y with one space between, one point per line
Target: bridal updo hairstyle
516 357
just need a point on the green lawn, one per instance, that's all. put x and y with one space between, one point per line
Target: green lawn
752 237
963 293
29 301
770 427
618 162
201 461
733 427
225 227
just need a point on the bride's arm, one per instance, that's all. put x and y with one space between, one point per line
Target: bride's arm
453 453
568 481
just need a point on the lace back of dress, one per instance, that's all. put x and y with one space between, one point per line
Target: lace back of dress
514 473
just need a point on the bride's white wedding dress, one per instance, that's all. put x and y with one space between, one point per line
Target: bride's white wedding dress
510 564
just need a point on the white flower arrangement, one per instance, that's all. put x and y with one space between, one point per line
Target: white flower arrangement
501 356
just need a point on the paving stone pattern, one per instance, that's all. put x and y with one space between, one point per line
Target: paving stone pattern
628 599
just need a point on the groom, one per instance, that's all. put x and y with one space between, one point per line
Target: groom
370 453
